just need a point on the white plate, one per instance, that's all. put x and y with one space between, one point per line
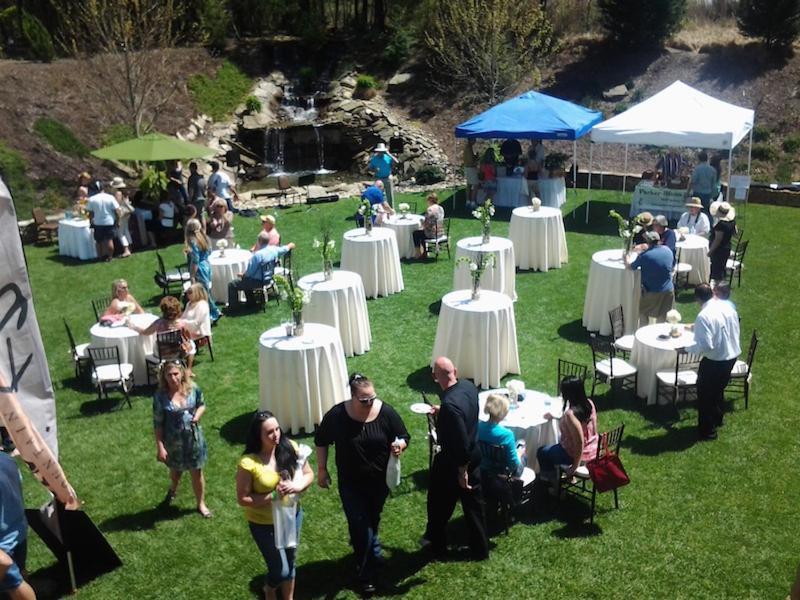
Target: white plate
420 408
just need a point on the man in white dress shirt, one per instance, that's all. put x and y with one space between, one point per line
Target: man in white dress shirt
716 337
694 219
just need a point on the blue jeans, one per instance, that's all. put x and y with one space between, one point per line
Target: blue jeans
551 456
362 506
264 537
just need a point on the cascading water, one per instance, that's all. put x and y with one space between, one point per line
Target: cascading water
299 109
274 144
320 152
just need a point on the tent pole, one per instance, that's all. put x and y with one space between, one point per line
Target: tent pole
602 146
625 173
575 168
588 183
730 160
750 152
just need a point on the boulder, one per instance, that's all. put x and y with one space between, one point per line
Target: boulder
616 93
399 79
348 82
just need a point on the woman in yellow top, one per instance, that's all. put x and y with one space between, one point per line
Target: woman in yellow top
266 473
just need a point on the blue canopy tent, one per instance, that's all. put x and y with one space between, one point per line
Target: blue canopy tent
533 115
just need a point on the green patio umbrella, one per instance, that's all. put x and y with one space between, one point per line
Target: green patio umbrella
153 147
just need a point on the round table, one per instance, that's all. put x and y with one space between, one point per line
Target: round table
651 355
342 304
552 191
500 278
611 284
133 347
225 269
76 239
479 336
301 378
403 228
375 258
538 237
694 252
527 421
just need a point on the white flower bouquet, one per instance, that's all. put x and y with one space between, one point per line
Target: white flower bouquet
403 207
516 390
221 245
126 308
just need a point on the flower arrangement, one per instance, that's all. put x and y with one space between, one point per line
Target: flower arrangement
126 308
295 297
627 228
683 232
484 214
221 245
536 204
477 269
326 249
403 207
366 210
673 318
516 391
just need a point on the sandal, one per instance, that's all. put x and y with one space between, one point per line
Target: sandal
206 515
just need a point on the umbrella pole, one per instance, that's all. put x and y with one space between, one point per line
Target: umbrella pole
588 184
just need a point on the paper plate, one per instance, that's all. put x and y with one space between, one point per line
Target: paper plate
420 408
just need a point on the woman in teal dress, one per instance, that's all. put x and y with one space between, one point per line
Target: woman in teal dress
177 408
197 249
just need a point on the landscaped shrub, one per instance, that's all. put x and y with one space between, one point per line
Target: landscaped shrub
13 170
366 87
220 95
764 152
428 174
761 134
634 23
620 107
60 137
791 144
117 133
153 184
784 172
33 41
775 22
252 104
214 23
398 48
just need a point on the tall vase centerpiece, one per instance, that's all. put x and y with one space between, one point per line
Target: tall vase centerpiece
326 246
484 214
403 209
366 210
674 319
627 229
296 298
221 245
477 269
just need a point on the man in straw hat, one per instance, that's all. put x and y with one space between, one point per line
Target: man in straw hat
657 290
694 219
381 166
724 227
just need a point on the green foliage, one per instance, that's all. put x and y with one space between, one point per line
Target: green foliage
555 161
764 152
214 23
60 137
641 23
256 17
366 82
775 22
117 133
761 133
791 144
252 104
481 49
398 48
784 172
153 184
428 174
620 107
33 42
218 96
13 170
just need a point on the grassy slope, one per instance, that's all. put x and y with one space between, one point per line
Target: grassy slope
708 520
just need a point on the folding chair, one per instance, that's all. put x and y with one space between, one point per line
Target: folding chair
260 295
99 307
80 356
43 226
285 269
681 272
607 367
168 347
622 342
108 371
567 368
176 278
443 241
678 381
582 486
736 264
207 342
510 491
741 375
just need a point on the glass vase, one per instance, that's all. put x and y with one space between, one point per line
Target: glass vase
487 233
476 288
327 269
297 322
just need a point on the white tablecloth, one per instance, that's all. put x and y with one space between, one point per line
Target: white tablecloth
694 251
651 355
132 346
375 258
527 421
552 192
225 269
403 228
510 192
340 303
538 237
480 336
611 284
75 239
301 378
500 278
658 200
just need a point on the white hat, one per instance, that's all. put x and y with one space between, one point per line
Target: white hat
381 147
118 183
723 211
270 218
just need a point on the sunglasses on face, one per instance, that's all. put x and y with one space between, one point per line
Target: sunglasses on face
369 400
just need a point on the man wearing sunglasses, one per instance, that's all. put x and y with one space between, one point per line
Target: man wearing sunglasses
455 474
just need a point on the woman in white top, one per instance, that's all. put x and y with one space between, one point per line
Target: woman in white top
125 211
196 315
694 220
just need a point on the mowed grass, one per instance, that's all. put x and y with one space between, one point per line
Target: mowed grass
714 520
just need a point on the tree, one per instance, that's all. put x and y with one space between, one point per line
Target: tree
775 22
480 49
637 23
122 43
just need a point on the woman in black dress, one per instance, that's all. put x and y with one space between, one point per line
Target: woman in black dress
365 432
720 249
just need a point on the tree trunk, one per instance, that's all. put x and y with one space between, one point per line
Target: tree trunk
365 12
336 16
379 9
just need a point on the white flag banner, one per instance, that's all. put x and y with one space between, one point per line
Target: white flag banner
27 404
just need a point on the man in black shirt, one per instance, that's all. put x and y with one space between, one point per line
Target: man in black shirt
455 474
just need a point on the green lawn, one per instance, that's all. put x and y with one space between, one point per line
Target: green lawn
714 520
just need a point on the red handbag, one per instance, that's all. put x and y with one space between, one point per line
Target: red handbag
607 472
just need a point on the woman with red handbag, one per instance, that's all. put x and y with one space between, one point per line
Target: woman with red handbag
578 427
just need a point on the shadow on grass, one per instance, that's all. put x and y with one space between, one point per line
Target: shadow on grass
599 221
435 307
145 519
327 578
116 401
574 331
673 440
68 261
422 381
50 583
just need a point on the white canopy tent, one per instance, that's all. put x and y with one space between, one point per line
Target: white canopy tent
678 115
